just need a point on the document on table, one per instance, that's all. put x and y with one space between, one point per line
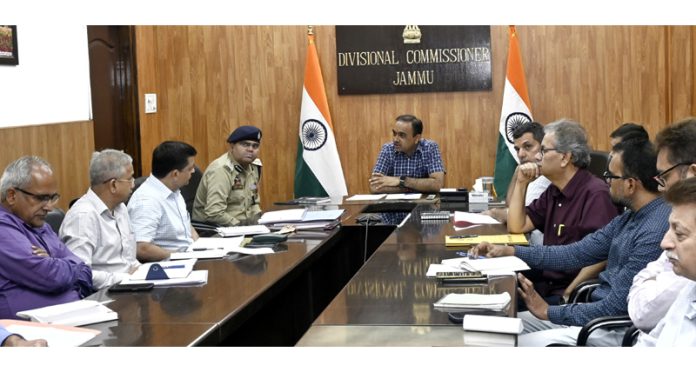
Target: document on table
466 219
195 278
217 248
361 197
242 230
55 335
491 266
74 313
404 196
495 324
174 270
468 301
512 239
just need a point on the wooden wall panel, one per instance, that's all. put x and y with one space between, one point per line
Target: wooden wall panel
212 79
67 147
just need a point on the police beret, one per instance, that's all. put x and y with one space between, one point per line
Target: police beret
245 132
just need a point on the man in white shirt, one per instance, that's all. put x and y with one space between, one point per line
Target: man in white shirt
157 210
527 139
97 228
678 326
655 287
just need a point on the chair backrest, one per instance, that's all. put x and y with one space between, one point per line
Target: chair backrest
631 336
189 191
599 160
55 218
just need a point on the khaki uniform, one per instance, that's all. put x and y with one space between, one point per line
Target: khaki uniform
228 195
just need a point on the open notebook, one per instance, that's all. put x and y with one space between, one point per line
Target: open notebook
74 313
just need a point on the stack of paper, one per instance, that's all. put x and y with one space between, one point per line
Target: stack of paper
178 272
490 266
361 197
242 230
470 301
55 335
495 324
404 196
75 313
217 248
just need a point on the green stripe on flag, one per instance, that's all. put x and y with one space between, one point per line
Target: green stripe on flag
505 166
306 183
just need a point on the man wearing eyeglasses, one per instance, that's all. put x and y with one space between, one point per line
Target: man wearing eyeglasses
228 194
655 287
574 205
36 268
627 243
97 227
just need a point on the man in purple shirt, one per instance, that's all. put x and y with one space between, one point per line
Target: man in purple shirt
36 268
574 205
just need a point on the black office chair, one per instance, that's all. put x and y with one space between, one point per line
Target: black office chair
582 293
189 191
55 218
599 161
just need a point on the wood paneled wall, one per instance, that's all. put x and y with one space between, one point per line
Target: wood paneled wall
211 79
67 147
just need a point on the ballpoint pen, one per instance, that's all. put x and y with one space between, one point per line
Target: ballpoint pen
463 236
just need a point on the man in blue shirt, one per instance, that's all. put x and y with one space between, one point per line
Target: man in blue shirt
628 243
11 339
408 163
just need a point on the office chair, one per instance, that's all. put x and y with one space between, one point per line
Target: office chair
582 293
189 191
138 181
599 161
55 218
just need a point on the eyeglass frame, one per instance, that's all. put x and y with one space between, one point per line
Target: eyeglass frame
41 198
608 176
543 150
660 177
131 180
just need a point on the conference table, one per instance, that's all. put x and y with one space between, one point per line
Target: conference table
352 285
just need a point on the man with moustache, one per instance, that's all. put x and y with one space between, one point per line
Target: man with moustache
228 194
574 205
628 243
678 326
36 268
97 227
655 287
408 163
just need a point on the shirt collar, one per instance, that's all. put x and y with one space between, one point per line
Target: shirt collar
160 188
96 201
578 180
419 148
233 164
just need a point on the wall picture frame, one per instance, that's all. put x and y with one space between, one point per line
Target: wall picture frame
8 45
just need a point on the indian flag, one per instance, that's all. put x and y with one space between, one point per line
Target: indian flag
318 170
516 110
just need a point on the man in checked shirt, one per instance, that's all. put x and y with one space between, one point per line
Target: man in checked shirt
409 163
628 243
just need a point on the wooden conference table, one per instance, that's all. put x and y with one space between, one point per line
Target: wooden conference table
273 300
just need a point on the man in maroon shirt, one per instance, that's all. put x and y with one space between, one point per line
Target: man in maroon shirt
574 205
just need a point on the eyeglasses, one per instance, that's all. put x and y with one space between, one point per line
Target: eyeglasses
43 198
129 180
248 144
608 177
660 178
544 150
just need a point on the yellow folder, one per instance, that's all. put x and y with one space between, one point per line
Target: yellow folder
512 239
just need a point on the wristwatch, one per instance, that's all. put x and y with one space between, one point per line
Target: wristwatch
402 181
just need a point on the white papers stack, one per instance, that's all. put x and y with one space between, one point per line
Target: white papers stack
469 301
495 324
403 196
242 230
216 248
179 273
361 197
492 266
299 215
55 335
74 313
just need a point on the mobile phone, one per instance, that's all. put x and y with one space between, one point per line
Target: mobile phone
135 287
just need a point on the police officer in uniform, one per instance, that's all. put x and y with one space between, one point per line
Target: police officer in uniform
228 194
